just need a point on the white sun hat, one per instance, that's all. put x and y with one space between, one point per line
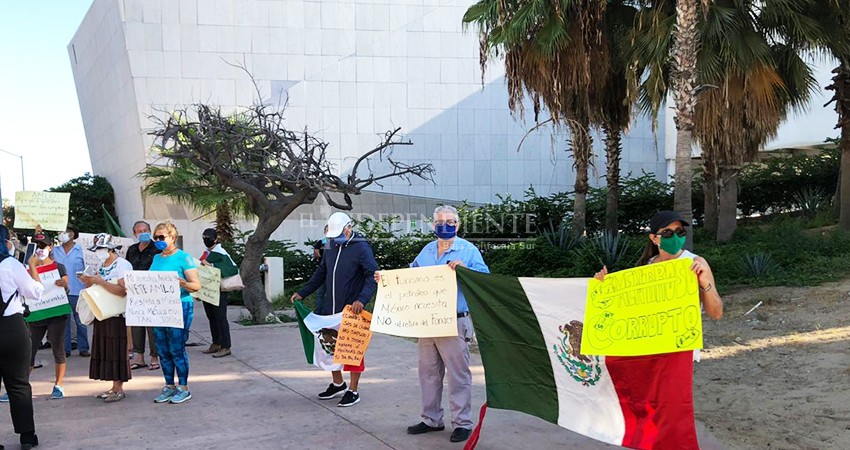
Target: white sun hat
336 222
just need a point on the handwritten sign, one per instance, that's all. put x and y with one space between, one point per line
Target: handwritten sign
53 301
153 299
417 302
353 337
86 240
643 311
210 291
48 209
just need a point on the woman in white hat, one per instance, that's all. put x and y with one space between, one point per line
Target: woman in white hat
109 340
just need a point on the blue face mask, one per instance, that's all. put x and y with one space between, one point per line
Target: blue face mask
160 245
445 231
144 237
341 239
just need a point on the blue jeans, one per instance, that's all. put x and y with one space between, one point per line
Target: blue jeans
82 330
171 346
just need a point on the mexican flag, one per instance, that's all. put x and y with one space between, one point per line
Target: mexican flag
529 335
54 299
318 334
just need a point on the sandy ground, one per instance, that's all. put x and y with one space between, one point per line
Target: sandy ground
778 377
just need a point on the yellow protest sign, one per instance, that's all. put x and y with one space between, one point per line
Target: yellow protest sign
210 277
353 337
417 302
48 209
647 310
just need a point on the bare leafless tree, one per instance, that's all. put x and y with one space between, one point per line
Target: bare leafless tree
252 154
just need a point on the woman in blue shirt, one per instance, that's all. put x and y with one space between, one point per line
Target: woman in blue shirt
171 342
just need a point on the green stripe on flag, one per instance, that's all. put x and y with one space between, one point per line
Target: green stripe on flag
55 311
519 373
307 337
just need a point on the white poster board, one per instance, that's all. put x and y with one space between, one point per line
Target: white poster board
153 299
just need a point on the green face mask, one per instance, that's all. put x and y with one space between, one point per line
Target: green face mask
672 244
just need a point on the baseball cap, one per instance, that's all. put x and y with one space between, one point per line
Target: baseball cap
663 218
336 222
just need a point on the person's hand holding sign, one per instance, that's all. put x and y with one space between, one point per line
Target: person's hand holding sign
356 307
601 274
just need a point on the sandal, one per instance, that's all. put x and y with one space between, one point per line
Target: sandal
105 394
135 366
114 397
154 366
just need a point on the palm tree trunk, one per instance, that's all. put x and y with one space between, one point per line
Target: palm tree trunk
841 86
613 150
684 76
224 222
582 145
727 218
709 176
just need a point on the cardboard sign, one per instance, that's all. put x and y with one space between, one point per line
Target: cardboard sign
417 302
48 209
353 337
54 299
647 310
86 240
153 299
210 291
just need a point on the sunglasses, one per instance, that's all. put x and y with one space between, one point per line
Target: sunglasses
159 237
668 233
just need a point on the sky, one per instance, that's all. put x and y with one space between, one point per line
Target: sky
39 114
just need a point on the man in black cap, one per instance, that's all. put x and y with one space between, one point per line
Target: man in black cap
215 255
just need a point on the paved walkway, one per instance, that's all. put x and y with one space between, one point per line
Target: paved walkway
265 396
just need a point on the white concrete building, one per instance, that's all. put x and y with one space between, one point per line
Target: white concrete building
349 69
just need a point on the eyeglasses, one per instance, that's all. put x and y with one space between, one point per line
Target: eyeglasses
159 237
668 233
445 222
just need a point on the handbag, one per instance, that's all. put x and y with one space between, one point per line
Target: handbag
232 283
85 313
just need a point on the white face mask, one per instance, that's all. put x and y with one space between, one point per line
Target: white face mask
102 254
42 254
64 237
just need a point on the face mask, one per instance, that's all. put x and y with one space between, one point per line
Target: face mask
102 254
341 239
42 254
673 244
144 237
64 238
445 231
160 245
209 243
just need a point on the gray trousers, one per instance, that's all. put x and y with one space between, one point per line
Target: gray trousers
447 355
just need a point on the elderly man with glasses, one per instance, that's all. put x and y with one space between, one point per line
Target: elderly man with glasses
447 355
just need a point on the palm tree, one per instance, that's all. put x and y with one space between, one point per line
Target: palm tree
185 183
755 54
552 51
616 105
839 10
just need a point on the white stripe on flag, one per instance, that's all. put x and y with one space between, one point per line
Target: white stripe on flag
315 323
587 401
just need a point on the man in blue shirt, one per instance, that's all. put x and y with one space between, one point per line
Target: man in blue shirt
448 355
70 254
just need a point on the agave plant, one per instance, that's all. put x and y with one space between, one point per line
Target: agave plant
610 249
562 237
759 265
811 200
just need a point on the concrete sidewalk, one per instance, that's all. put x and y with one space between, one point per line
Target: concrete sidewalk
264 396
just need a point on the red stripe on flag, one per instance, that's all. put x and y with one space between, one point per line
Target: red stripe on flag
656 395
476 433
47 268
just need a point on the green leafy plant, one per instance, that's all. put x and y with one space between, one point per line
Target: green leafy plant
759 265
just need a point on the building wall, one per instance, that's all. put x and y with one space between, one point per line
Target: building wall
347 70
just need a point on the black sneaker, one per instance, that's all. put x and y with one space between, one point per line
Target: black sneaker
350 398
423 427
460 434
333 391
